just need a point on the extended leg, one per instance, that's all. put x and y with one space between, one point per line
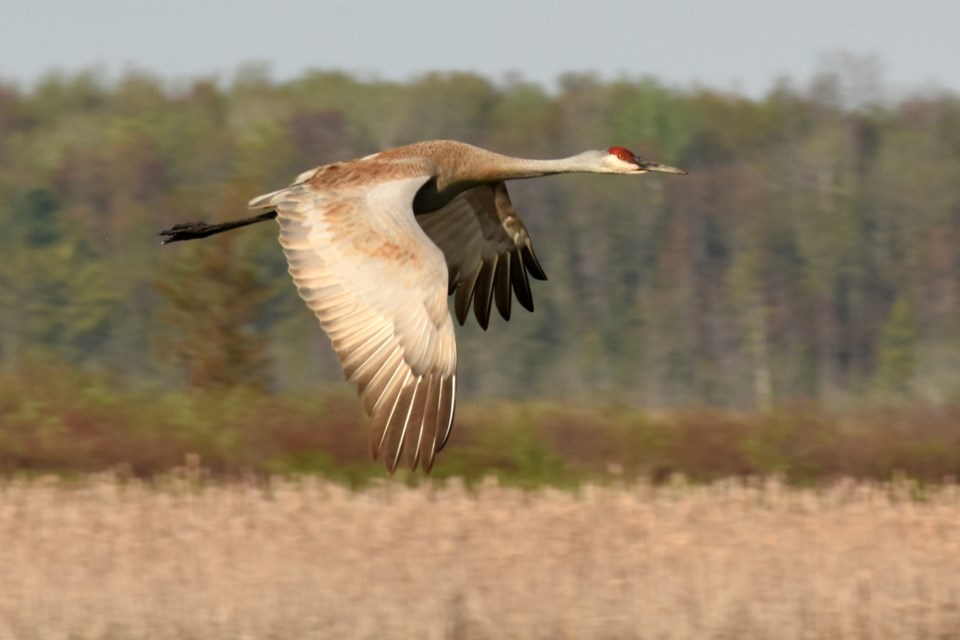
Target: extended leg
194 230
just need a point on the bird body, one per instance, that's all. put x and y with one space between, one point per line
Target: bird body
376 245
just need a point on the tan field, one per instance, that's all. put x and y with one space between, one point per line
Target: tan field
101 558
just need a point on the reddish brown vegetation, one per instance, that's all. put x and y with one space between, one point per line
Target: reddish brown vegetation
60 420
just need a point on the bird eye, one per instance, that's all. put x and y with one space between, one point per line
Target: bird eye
621 153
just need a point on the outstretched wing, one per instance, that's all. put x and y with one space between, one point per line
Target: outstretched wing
378 286
488 251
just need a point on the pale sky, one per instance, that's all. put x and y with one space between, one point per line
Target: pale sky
735 45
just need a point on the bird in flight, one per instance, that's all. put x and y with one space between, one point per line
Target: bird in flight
376 245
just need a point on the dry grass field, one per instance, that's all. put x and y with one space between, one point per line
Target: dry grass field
181 558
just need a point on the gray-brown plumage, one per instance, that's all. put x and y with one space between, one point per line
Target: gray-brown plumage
376 245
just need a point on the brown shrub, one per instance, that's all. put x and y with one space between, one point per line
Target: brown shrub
56 419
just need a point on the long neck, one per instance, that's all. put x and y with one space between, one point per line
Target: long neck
467 167
498 167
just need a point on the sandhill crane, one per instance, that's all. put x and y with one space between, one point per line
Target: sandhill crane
376 245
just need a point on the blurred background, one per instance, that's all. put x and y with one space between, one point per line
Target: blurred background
735 412
792 306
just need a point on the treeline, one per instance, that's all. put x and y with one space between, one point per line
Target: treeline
811 252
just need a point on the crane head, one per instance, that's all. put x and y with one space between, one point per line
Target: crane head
622 160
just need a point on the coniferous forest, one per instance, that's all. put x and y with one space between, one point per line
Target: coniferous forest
809 259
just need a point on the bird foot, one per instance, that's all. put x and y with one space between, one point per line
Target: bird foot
186 231
193 230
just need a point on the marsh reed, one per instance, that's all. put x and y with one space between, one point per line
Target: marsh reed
183 557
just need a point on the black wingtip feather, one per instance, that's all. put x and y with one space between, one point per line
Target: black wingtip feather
531 262
461 304
452 281
521 285
483 294
502 293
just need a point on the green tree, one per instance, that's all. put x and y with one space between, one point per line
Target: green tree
55 290
212 302
897 349
776 269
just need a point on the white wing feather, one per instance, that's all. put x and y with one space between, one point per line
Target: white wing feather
378 286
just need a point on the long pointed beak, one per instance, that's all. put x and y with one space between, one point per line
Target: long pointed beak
661 168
